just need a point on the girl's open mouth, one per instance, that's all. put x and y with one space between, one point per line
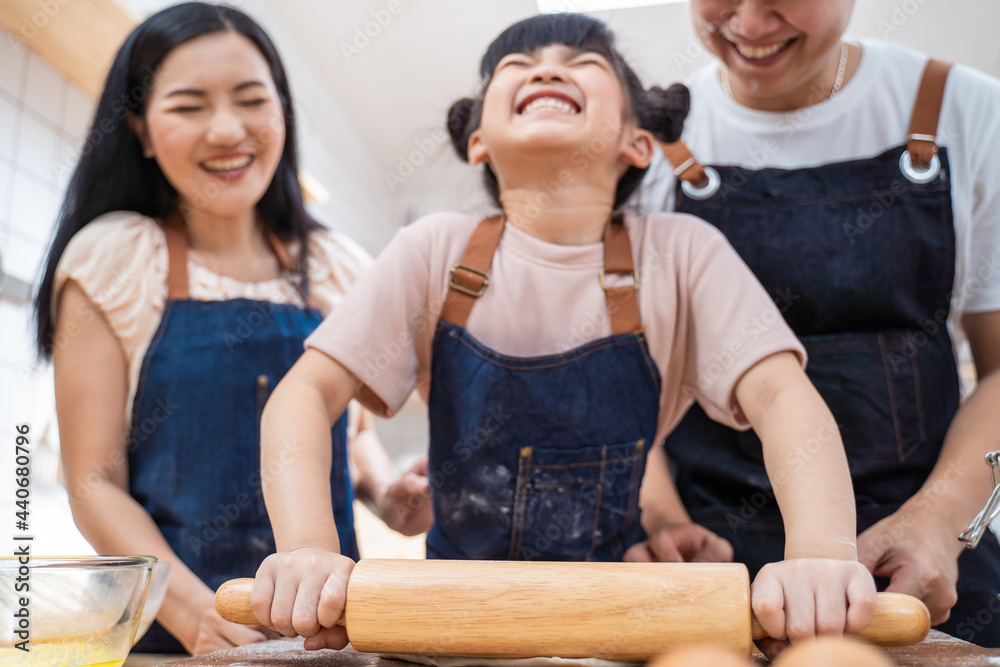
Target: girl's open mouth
548 101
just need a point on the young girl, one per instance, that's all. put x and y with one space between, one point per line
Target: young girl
556 345
174 297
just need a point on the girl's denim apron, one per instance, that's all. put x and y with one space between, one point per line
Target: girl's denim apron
539 458
194 458
860 258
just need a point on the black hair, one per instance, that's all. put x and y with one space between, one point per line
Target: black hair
661 112
113 175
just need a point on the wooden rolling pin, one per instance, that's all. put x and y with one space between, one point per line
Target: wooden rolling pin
505 609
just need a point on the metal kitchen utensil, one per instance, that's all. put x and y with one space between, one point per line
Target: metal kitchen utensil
977 528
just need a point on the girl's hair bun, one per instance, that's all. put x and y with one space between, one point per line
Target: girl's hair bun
459 116
666 110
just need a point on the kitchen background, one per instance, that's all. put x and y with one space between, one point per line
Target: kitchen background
373 80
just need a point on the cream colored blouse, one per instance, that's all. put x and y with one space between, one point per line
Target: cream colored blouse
120 262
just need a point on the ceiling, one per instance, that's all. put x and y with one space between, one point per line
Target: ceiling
396 87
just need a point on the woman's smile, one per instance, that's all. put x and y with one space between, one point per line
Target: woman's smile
230 167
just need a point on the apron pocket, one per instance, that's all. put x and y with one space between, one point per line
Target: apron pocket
577 503
871 383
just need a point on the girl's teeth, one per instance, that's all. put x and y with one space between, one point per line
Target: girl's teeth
227 164
758 52
549 104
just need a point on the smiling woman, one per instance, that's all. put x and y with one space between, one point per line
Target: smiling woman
774 58
217 132
184 276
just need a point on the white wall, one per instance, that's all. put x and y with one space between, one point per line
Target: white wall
43 119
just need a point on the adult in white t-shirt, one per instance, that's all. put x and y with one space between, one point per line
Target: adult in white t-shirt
874 222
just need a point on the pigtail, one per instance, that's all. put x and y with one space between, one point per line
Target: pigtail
459 121
665 111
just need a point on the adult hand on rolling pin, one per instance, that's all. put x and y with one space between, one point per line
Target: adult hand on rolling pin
302 592
405 506
681 543
919 555
799 598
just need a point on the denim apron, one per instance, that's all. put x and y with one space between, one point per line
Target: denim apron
859 256
539 458
194 459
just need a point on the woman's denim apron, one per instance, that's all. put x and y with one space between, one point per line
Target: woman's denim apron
539 458
194 458
860 259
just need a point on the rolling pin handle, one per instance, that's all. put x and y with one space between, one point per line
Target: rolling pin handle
232 601
899 620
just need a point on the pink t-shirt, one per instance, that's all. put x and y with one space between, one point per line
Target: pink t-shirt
706 317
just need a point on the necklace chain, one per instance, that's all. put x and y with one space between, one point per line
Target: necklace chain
841 68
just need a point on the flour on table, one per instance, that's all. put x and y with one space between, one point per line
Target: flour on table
462 661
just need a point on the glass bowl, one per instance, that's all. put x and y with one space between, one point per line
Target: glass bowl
71 612
154 597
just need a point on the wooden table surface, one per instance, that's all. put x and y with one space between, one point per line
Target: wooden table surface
937 649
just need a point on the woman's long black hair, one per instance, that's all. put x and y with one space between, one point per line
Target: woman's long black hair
113 175
660 111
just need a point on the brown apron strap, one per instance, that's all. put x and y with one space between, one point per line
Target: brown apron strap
468 280
623 300
922 140
686 167
177 270
177 244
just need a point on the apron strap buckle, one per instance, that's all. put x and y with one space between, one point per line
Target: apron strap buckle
472 290
635 277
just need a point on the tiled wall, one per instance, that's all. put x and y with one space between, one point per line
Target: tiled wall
43 119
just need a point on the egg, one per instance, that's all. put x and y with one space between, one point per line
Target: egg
832 652
701 655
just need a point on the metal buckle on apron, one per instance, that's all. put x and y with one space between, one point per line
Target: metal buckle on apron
465 290
712 185
913 174
977 528
635 275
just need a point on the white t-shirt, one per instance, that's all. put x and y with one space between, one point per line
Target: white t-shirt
869 116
